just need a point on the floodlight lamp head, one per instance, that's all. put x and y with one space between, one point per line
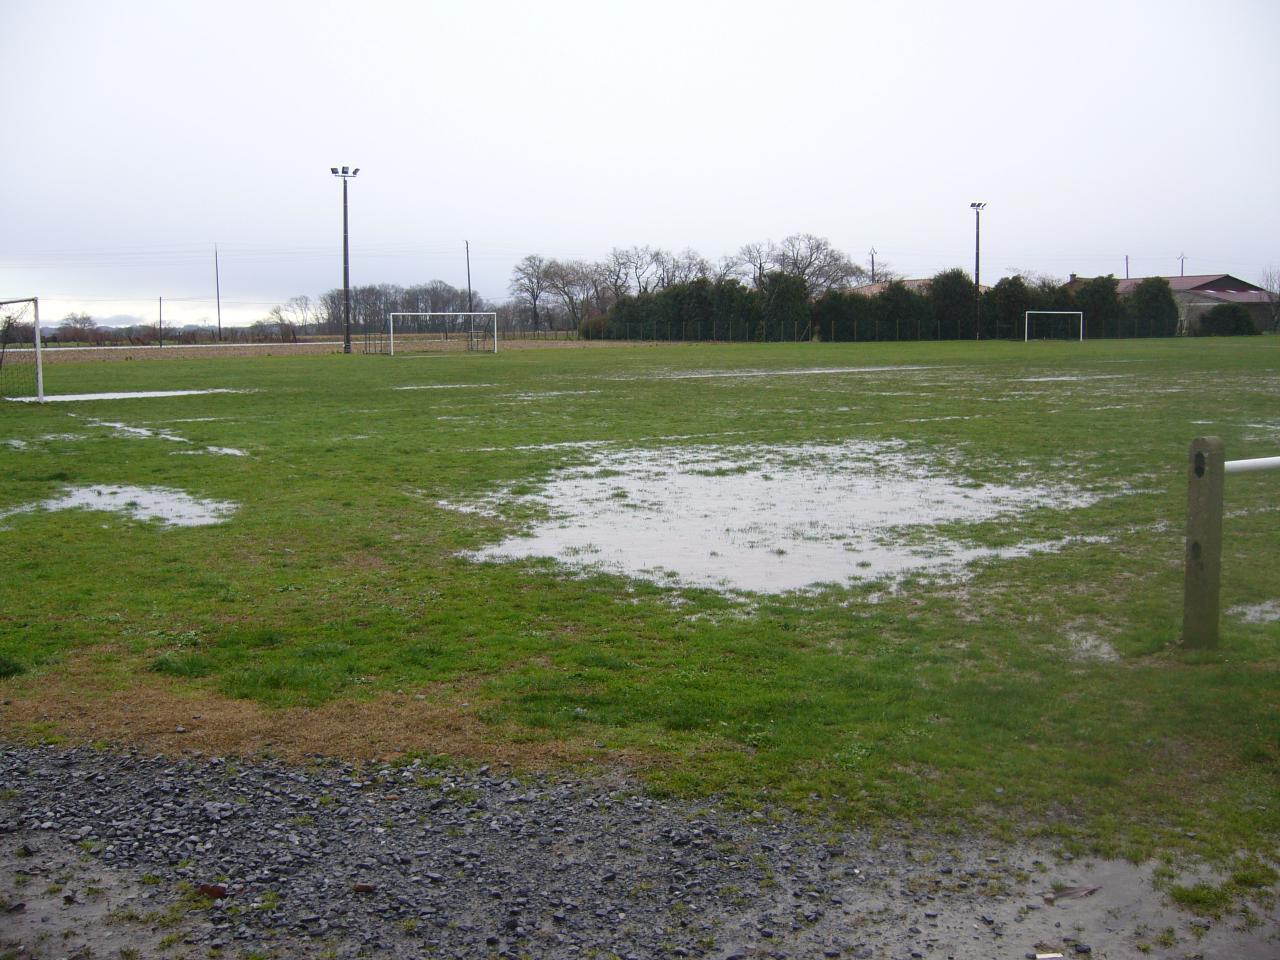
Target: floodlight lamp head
355 171
345 171
334 171
977 206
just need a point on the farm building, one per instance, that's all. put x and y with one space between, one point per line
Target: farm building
1197 294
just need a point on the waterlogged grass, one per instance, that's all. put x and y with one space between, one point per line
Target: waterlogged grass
1041 694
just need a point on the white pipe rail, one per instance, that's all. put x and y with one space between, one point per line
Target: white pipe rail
1257 463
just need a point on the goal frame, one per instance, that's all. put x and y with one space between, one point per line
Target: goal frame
1026 320
35 304
391 324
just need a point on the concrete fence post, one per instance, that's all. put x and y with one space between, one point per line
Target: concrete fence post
1205 473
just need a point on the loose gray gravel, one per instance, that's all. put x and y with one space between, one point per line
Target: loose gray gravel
104 853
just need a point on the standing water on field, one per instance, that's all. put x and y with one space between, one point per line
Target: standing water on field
769 519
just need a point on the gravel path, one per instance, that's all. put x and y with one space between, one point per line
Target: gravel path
106 854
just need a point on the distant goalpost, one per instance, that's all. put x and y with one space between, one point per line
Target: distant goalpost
1026 322
21 362
429 331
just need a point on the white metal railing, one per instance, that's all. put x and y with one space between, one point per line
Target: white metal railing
1206 469
1257 463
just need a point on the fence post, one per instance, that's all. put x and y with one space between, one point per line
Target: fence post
1205 472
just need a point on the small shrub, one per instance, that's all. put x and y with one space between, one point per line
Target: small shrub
1226 320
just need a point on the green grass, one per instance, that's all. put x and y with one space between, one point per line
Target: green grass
339 576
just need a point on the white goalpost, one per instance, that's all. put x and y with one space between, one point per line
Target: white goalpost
1026 320
433 330
21 360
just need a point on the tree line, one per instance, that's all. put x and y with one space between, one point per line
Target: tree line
805 289
947 307
547 293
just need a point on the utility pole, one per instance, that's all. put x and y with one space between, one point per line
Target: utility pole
1126 266
162 321
217 286
873 264
346 174
1182 264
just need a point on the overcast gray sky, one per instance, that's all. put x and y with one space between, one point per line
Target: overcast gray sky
138 134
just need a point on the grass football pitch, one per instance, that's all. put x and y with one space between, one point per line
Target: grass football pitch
348 599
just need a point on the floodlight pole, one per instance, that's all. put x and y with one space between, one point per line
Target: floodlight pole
977 256
346 174
217 288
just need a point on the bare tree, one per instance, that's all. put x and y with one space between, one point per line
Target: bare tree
529 283
299 311
687 266
755 260
277 324
726 268
1271 284
606 286
815 261
569 282
78 326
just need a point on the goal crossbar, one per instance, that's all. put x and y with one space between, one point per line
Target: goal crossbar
1026 320
35 311
490 322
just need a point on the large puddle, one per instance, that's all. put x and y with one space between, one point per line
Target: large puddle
769 519
159 504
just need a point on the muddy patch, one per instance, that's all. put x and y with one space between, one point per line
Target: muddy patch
769 519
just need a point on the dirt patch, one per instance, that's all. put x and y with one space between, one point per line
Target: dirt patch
81 705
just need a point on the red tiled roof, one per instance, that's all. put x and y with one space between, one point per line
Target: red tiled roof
1235 296
1203 282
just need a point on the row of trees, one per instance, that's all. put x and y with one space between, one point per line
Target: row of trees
371 304
550 294
782 306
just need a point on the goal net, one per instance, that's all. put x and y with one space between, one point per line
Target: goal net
1053 325
432 332
21 370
